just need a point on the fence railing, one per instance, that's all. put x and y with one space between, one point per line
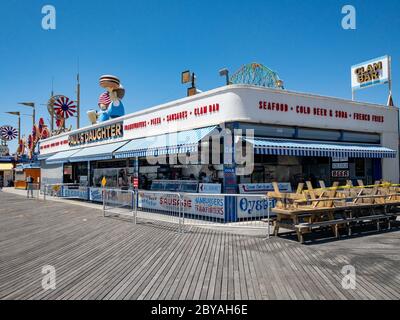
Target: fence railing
225 211
118 202
207 210
160 206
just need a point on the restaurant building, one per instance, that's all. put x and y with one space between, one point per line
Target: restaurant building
7 164
293 137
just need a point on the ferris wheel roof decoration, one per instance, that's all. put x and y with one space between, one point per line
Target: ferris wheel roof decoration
64 107
8 133
258 75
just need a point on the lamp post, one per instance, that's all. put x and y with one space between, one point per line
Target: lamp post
17 113
225 72
31 105
188 77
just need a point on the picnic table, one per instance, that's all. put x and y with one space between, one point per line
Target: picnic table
311 209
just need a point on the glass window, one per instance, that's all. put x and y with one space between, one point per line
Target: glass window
269 131
349 136
360 167
111 174
315 134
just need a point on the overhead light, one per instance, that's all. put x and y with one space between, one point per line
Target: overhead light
279 84
15 113
191 91
186 77
27 104
224 72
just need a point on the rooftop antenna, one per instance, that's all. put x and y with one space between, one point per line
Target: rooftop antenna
78 98
52 95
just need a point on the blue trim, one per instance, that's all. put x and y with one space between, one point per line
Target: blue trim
99 152
172 143
317 149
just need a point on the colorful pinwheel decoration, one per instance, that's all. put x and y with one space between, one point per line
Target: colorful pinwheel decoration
8 133
35 134
43 130
45 133
41 126
64 107
21 147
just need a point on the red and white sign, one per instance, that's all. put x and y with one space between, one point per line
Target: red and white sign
201 205
340 173
248 104
136 183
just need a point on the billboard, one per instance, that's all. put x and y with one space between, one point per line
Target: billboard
369 73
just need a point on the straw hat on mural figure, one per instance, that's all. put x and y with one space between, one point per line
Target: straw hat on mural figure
110 104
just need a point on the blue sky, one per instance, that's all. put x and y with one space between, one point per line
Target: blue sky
148 43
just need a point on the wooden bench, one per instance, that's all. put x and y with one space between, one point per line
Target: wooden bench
304 228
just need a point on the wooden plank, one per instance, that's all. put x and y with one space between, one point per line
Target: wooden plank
104 258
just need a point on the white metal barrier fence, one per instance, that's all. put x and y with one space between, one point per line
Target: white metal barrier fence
227 211
224 211
118 202
61 190
164 207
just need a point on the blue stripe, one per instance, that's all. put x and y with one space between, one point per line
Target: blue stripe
317 149
172 143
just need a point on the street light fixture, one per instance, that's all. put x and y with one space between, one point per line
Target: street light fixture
31 105
225 72
188 77
279 84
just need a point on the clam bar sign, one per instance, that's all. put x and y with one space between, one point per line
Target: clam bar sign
369 73
108 132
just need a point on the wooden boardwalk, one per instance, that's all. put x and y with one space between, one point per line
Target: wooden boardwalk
107 258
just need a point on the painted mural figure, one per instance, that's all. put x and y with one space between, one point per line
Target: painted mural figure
110 103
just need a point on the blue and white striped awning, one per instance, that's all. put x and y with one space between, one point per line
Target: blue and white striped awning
171 143
61 157
318 149
101 152
45 156
23 166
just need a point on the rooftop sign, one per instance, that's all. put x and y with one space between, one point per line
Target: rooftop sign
369 73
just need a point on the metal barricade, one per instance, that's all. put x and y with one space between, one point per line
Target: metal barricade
244 213
163 207
57 190
222 211
118 202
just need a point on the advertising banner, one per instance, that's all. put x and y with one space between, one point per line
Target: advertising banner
209 188
95 194
77 193
207 206
263 188
114 196
369 73
252 207
230 180
340 165
340 173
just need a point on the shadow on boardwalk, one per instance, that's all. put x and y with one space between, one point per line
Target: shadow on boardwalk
103 258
